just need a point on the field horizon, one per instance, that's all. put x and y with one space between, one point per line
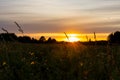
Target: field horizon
62 37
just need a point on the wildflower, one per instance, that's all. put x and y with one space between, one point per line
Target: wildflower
31 53
81 63
33 62
4 63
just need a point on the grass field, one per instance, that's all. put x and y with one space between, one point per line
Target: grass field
64 61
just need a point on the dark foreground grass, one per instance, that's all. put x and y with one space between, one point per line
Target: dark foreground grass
65 61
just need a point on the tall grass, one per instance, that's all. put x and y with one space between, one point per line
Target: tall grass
65 61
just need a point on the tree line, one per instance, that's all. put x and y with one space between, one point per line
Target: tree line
11 37
112 38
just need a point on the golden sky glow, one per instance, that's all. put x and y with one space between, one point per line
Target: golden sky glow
72 37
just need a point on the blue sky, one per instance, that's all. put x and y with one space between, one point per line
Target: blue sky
84 16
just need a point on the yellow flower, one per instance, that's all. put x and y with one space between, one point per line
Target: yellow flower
31 53
4 63
81 64
33 62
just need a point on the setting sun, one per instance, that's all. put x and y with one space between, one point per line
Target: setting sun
73 39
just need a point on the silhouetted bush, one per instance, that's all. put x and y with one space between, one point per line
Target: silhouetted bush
8 37
42 39
24 39
50 40
114 37
33 40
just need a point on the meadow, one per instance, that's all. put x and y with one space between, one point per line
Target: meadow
59 61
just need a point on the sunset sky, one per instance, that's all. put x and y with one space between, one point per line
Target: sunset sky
51 17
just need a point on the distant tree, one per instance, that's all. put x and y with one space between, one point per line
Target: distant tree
54 40
8 37
111 38
42 39
50 40
33 40
114 37
24 39
117 36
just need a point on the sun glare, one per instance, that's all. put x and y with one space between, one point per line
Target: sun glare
73 39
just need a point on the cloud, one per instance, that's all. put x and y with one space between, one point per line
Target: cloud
105 23
102 26
101 29
52 27
63 25
103 9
